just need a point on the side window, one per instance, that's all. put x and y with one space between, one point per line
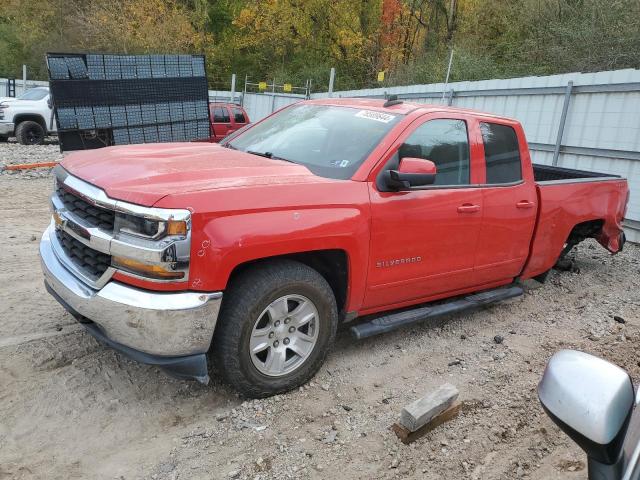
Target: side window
446 143
238 116
501 153
220 115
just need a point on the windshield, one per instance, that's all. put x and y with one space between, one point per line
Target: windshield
330 141
34 94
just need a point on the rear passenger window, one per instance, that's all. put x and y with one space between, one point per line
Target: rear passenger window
501 153
221 115
238 115
445 142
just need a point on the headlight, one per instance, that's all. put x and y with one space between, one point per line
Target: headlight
146 228
152 244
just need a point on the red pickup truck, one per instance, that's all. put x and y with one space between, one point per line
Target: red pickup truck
251 252
226 118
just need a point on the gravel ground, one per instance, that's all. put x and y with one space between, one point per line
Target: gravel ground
12 153
74 409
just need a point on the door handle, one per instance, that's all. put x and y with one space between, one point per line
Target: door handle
525 204
468 208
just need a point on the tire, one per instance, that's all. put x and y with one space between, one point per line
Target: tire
245 315
30 133
542 278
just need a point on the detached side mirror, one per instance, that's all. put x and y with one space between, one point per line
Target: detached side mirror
591 400
412 172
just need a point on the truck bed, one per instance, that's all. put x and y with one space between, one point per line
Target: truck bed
548 173
567 199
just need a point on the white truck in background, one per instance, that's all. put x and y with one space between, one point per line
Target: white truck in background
28 117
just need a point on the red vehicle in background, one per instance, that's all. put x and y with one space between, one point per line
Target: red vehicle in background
226 118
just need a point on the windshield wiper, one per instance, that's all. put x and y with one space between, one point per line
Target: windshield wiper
269 155
261 154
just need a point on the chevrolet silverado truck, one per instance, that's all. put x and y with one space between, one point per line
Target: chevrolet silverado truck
29 117
248 254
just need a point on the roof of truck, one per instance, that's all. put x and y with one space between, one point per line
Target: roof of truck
402 108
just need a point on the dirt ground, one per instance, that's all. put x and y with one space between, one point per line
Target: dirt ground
71 408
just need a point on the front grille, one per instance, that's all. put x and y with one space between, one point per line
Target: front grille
95 216
87 259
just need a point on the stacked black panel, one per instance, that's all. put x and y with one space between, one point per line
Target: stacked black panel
103 100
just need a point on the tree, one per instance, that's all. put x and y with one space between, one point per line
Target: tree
298 39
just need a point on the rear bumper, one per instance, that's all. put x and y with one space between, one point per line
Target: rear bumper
171 330
6 128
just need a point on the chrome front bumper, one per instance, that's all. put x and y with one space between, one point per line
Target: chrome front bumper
153 323
6 128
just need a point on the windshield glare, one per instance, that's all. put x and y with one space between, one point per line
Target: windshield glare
331 141
34 94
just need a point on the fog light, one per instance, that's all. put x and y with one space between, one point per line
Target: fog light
145 269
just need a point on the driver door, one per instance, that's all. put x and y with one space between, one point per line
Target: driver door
423 241
221 124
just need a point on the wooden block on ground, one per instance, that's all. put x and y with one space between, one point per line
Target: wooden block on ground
406 436
420 412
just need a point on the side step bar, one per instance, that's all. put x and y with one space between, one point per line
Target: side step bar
390 322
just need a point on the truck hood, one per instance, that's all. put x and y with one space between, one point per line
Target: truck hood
143 174
12 102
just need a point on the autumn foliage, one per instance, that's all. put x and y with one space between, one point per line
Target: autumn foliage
296 40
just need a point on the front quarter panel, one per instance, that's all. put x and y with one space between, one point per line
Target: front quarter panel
233 226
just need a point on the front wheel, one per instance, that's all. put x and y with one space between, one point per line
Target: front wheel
30 133
277 324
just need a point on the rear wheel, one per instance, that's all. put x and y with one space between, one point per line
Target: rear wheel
30 133
276 326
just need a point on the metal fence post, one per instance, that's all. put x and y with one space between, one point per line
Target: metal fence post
446 80
24 78
244 93
563 119
273 96
233 88
332 77
450 97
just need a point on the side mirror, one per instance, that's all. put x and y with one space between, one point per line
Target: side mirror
412 172
591 400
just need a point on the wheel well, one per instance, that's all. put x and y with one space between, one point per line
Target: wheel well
581 232
29 116
331 264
